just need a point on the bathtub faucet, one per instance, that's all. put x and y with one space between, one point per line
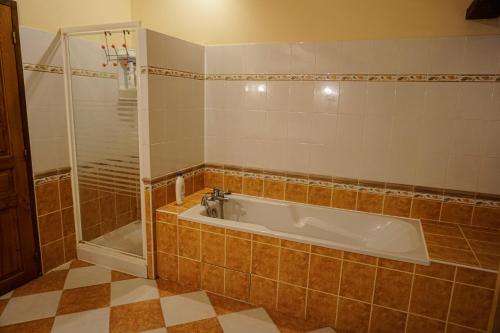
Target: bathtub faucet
217 195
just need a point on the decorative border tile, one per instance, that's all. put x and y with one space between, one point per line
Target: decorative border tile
277 77
350 184
171 72
52 178
43 68
96 74
323 77
77 72
358 77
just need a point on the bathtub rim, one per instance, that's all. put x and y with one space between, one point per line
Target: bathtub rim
193 214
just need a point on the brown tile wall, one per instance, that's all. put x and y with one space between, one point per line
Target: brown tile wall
56 224
103 211
352 292
362 200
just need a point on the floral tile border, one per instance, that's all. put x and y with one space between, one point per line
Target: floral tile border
43 68
96 74
358 77
153 70
349 184
77 72
52 178
276 77
171 72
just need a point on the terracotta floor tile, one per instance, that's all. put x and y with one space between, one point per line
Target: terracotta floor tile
170 288
223 305
79 263
289 324
248 321
119 276
84 298
3 304
136 317
49 282
201 326
35 326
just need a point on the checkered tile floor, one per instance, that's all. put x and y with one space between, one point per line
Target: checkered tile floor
80 297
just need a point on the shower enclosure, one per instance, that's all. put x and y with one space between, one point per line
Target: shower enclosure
103 125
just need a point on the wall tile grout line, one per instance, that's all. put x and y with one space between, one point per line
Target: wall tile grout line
451 300
373 296
413 274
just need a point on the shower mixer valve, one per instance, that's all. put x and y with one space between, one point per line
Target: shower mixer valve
218 196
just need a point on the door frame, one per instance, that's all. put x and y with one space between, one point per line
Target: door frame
24 120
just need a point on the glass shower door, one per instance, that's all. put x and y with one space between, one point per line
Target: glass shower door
106 139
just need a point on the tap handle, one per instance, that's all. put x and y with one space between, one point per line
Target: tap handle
218 192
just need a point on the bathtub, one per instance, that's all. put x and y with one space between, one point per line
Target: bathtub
372 234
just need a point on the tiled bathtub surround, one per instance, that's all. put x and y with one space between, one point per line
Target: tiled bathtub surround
159 192
59 70
390 199
467 225
56 226
352 292
379 110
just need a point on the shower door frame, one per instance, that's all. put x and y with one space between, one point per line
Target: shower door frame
86 250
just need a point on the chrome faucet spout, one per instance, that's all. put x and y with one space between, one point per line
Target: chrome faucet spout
217 195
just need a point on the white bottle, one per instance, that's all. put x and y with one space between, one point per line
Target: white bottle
180 189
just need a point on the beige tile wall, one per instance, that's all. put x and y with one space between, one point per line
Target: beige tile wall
175 105
439 134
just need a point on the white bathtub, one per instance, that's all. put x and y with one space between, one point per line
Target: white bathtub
371 234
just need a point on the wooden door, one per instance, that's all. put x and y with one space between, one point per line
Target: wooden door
19 259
